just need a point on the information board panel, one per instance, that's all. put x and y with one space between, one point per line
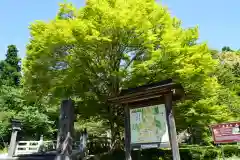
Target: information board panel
226 132
148 125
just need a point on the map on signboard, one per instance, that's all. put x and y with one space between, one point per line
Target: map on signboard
148 124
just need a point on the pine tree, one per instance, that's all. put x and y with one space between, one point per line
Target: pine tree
10 68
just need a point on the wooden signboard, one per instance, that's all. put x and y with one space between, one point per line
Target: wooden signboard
149 121
226 132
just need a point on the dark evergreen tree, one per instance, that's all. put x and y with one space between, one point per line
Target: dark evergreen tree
226 49
10 68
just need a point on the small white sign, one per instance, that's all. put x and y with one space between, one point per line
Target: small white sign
146 146
137 117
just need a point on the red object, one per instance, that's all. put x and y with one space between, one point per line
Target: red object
226 132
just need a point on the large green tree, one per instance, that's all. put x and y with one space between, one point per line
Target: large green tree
228 73
9 79
91 53
37 117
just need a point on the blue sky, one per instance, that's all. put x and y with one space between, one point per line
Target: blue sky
218 20
18 14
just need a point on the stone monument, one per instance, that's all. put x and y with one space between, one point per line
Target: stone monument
66 130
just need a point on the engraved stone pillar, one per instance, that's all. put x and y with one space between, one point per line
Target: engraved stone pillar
66 128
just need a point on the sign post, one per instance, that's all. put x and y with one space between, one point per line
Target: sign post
172 127
222 149
127 134
149 120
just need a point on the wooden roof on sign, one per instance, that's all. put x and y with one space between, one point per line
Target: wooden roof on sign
149 92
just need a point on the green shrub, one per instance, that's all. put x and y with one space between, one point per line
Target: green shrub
233 158
231 150
186 153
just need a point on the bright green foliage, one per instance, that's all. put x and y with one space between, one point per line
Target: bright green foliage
10 67
228 74
92 53
9 98
94 125
5 124
33 115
